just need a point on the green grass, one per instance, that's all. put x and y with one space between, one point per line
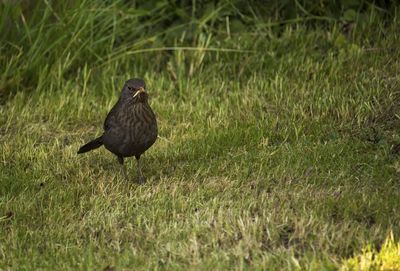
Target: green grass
281 154
388 258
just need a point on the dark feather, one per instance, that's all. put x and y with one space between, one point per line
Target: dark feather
94 144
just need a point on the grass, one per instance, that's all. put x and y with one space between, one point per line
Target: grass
388 258
280 154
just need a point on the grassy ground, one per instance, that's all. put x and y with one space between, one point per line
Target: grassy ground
281 156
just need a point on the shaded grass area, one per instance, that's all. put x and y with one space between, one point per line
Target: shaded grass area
282 157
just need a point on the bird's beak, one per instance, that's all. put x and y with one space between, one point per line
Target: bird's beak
140 90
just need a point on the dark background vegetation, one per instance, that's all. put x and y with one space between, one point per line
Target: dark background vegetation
37 35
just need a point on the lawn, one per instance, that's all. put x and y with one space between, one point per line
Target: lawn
277 149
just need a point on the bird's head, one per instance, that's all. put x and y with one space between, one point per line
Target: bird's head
134 90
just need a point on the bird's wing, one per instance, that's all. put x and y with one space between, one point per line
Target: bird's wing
111 119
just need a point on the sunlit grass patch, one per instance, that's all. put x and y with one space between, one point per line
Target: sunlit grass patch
370 258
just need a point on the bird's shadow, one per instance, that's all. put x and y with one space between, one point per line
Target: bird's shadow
181 158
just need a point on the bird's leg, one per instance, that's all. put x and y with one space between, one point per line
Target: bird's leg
141 179
121 162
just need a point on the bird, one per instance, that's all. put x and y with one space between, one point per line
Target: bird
130 127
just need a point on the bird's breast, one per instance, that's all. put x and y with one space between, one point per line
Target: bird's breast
141 124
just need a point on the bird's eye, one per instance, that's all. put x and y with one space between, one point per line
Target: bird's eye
130 88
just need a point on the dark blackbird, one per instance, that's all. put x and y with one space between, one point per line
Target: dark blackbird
130 128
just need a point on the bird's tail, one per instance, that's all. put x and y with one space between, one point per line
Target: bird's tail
94 144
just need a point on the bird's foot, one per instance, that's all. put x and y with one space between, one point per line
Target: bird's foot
141 180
